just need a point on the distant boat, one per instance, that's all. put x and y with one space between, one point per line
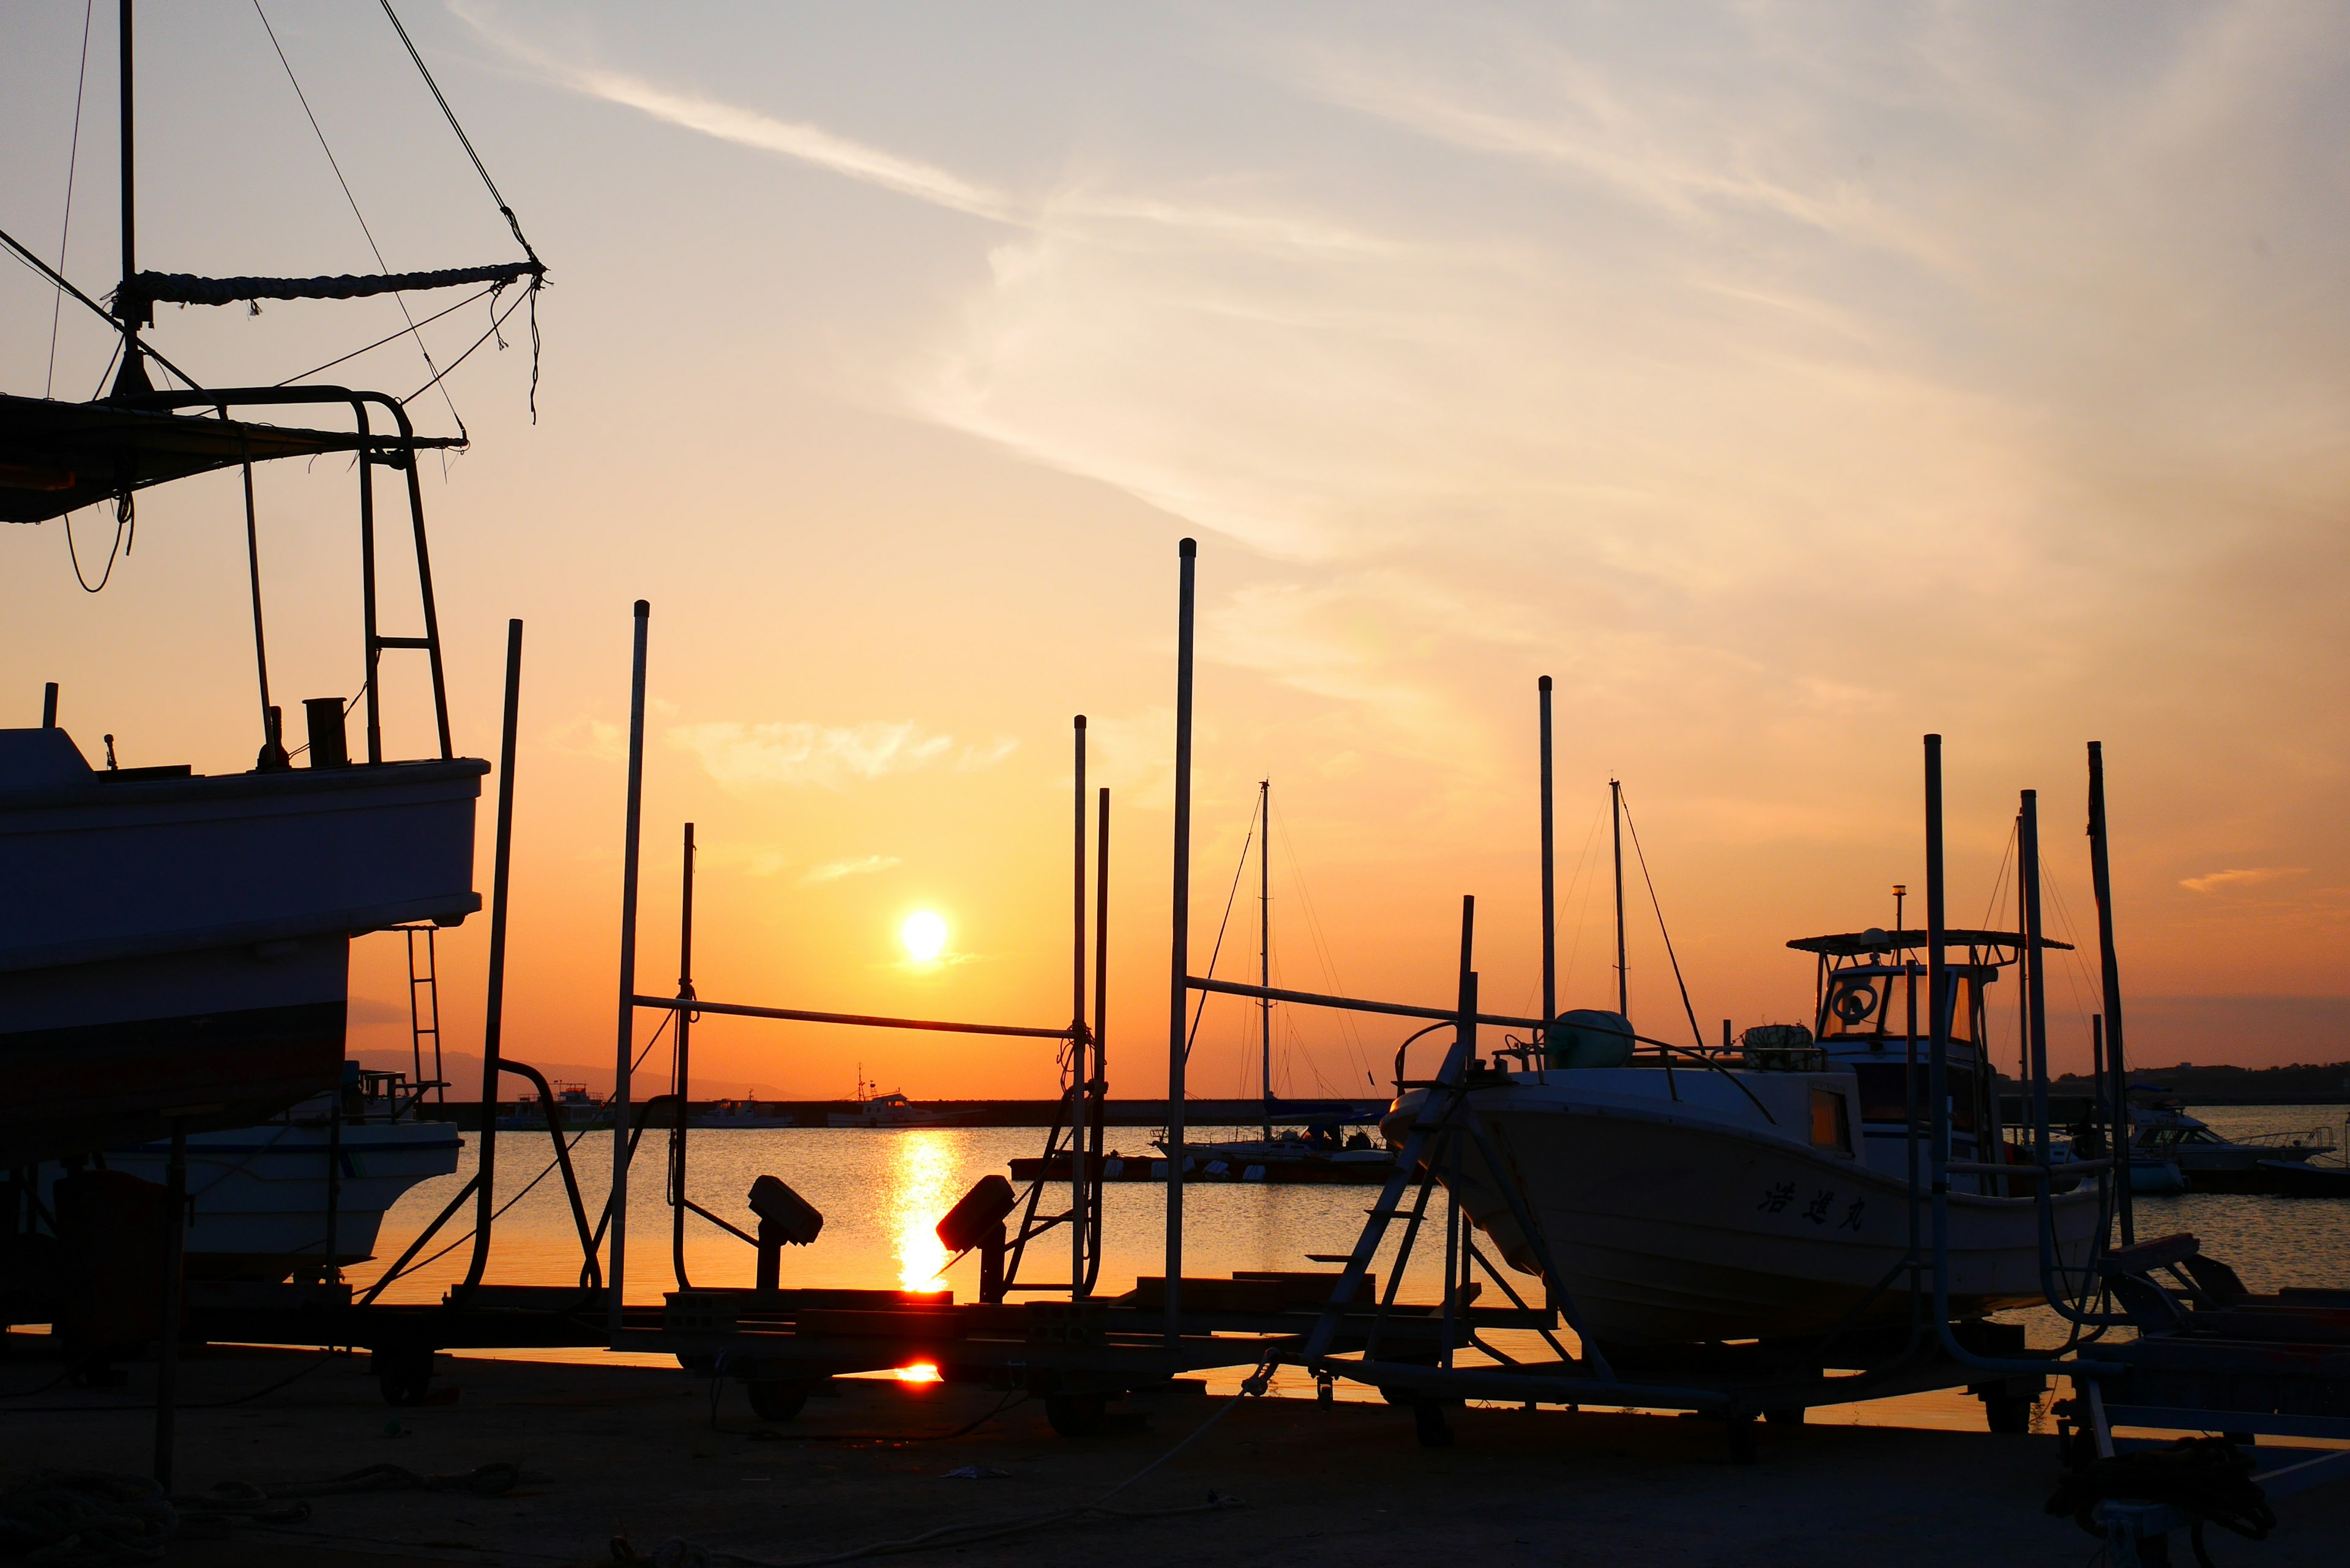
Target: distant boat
2164 1131
893 1110
580 1110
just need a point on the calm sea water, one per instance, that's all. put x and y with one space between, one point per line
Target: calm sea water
882 1191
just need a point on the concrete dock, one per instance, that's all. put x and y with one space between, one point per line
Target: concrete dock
631 1453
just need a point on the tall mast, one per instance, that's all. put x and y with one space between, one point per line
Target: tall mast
1549 899
1623 982
132 378
1264 945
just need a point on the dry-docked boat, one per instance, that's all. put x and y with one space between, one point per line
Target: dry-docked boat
1770 1194
263 1199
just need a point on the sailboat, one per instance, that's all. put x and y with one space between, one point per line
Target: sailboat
1317 1150
174 946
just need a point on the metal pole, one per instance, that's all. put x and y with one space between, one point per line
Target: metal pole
494 1012
1098 1087
1078 1026
49 705
1549 873
175 1244
2109 971
684 1069
132 377
617 1283
2035 979
1937 1050
1187 558
1264 950
1623 981
269 740
367 587
333 1269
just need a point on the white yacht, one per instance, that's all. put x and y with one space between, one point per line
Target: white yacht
1690 1196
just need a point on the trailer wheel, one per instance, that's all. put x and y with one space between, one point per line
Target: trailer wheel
1744 1449
777 1399
2008 1414
1076 1414
1787 1416
1430 1425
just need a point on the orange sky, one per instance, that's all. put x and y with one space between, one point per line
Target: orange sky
1784 386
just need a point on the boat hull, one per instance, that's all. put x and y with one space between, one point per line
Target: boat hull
1668 1230
257 1195
176 948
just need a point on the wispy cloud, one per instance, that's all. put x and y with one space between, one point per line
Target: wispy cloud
2248 877
859 866
828 756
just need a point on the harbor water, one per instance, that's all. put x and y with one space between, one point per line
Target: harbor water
881 1192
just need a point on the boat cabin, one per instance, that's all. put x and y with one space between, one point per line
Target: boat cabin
1870 1016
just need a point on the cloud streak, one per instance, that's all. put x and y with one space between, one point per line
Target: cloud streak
826 757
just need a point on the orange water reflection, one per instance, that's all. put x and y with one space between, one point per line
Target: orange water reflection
920 1170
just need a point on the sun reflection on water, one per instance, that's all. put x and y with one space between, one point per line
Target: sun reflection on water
921 1166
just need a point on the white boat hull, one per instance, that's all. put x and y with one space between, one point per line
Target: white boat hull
1669 1226
257 1196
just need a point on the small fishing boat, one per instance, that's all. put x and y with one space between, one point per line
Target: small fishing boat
259 1197
579 1109
1688 1196
891 1110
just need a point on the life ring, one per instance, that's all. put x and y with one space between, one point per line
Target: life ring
1856 1002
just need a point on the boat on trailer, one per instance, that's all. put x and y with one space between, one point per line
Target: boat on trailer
1690 1196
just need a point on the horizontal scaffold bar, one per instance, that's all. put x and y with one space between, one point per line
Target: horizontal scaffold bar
857 1020
1354 1004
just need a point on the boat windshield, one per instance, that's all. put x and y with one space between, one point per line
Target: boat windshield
1888 1001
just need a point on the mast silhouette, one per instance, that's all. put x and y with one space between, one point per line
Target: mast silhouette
1264 947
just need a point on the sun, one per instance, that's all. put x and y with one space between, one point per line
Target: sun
924 934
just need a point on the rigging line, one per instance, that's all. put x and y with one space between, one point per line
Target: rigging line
1694 1029
336 165
1348 1030
65 230
1202 1010
16 247
496 322
463 140
389 337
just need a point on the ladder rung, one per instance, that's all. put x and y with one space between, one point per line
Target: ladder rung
404 643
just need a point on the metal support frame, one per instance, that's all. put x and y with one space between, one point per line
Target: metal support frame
398 451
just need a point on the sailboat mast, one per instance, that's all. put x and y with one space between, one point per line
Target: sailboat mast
1265 947
1623 981
132 377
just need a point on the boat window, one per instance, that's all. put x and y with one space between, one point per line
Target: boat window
1884 1091
1831 1121
1885 1094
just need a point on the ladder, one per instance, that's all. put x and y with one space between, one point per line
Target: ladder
424 1009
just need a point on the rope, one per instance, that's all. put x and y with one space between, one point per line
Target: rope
390 336
74 1517
331 162
1230 899
65 230
463 140
682 1554
122 518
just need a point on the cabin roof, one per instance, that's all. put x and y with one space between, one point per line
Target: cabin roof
1853 944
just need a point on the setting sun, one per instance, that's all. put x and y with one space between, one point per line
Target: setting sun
924 934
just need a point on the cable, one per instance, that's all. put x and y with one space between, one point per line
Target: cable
389 338
1202 1010
65 230
381 265
113 554
463 140
1694 1029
